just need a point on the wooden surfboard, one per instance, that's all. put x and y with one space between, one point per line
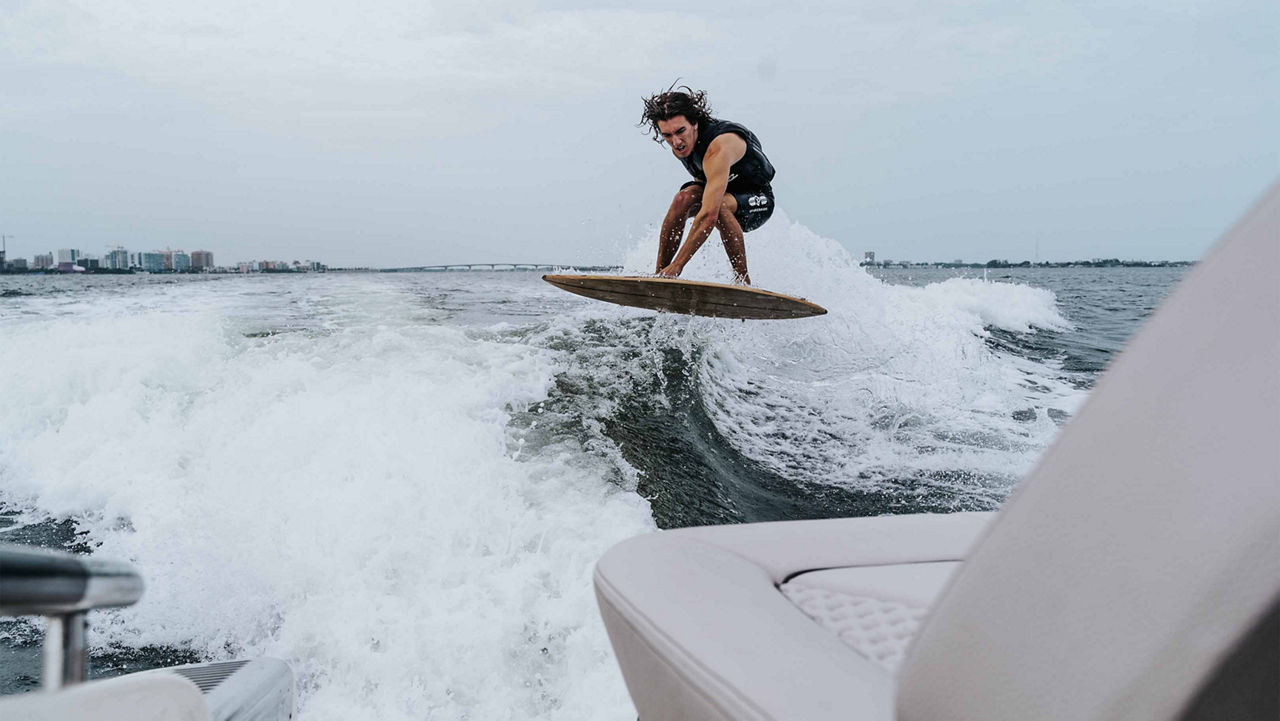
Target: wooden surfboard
692 297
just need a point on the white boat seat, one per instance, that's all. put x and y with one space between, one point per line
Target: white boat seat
135 697
702 630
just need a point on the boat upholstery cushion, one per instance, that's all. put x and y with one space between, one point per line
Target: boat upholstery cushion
702 632
1134 558
875 610
138 697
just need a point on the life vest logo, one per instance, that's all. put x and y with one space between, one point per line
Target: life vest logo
758 200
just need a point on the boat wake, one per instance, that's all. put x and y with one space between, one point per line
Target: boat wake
400 483
902 399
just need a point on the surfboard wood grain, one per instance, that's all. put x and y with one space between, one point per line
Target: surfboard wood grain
692 297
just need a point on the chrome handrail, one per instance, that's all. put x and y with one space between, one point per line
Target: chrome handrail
63 588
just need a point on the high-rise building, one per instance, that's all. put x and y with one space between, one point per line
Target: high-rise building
117 259
18 264
43 262
68 255
181 261
201 260
153 262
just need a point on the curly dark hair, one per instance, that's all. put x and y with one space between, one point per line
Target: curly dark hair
684 100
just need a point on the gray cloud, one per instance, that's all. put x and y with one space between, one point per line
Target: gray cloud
394 133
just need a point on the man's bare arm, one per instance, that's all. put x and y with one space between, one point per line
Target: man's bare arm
723 152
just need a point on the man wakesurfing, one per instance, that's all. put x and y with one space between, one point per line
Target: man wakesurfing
730 191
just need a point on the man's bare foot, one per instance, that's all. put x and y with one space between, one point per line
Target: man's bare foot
742 279
669 272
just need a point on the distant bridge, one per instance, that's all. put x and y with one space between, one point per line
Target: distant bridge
496 266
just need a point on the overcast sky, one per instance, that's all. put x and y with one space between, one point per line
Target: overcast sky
391 133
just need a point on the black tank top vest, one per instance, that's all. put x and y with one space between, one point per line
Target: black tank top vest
752 172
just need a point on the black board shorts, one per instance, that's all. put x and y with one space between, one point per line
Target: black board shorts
754 206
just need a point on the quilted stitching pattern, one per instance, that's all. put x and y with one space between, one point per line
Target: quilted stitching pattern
878 629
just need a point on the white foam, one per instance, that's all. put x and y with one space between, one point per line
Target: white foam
340 494
896 382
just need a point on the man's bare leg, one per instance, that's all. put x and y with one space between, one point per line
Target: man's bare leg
686 203
735 245
730 233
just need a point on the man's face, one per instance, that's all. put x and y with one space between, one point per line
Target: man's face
680 134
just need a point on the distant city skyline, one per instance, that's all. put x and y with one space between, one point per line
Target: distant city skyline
200 259
118 258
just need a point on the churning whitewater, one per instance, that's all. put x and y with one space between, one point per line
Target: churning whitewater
400 482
